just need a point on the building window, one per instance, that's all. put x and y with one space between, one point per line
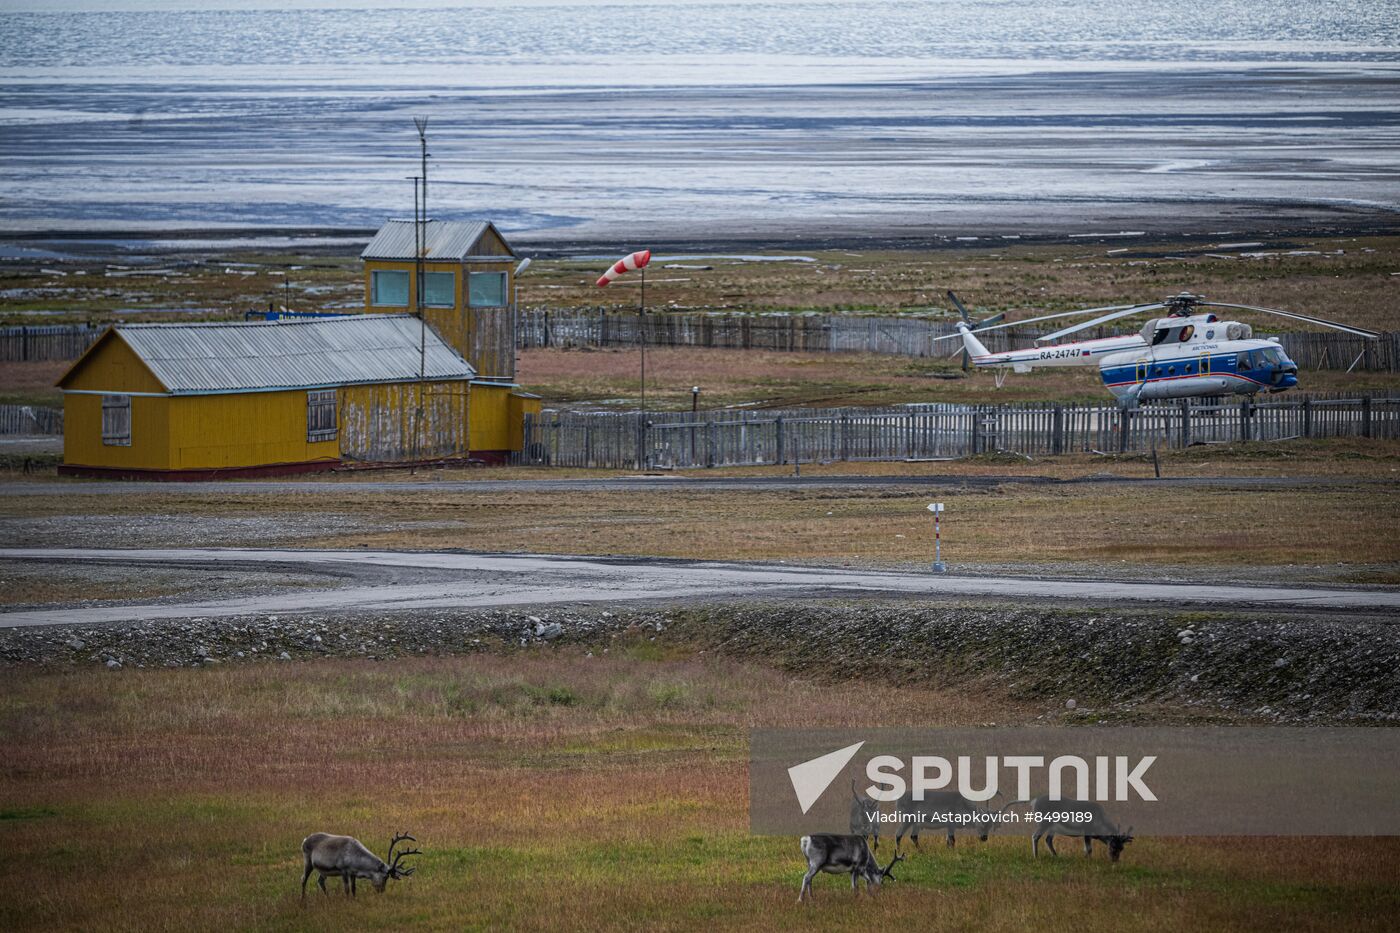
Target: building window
439 289
320 415
388 289
487 290
116 420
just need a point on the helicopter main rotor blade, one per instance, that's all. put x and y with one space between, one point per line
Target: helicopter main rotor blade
959 305
1358 331
1103 319
1035 320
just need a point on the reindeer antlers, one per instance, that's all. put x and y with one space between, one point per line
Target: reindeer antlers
394 859
398 837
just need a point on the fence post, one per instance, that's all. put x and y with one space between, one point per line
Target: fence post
641 442
1185 423
1057 421
976 429
1366 416
845 436
1307 417
782 455
1246 412
710 443
1124 426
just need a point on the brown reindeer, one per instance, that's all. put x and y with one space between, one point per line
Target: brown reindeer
347 858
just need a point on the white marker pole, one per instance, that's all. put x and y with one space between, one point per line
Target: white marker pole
937 509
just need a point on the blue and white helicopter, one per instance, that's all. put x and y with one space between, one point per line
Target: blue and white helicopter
1186 354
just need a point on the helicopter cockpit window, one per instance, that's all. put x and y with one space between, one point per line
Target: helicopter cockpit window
1160 334
1272 356
1186 333
1243 360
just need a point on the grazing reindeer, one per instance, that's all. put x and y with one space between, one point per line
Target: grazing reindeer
862 824
840 855
939 803
1095 825
347 859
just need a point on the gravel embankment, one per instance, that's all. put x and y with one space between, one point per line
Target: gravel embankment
1122 666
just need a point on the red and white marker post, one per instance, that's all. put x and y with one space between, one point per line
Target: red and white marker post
937 509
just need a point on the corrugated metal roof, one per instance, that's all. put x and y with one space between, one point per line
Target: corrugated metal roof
194 359
446 239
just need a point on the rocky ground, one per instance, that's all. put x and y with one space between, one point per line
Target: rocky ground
1085 665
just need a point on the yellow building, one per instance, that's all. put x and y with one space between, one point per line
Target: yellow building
185 401
193 401
468 292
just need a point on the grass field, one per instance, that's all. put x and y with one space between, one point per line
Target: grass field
1339 529
768 379
547 790
1340 277
1344 278
754 379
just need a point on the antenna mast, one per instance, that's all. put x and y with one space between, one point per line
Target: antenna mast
421 242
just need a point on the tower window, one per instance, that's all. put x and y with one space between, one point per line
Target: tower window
487 289
388 289
439 289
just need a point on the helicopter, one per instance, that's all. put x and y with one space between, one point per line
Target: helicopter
1188 353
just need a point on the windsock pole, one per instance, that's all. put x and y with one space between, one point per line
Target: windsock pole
642 333
634 262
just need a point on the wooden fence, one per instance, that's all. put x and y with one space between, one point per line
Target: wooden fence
907 335
47 342
27 419
633 440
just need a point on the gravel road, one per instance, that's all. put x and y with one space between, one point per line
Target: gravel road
465 580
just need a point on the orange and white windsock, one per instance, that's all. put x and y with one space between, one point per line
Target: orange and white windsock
628 263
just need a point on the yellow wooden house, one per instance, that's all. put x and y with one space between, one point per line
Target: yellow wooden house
212 399
199 400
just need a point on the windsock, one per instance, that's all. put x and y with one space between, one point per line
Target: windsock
628 263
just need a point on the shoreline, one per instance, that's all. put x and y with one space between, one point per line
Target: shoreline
559 244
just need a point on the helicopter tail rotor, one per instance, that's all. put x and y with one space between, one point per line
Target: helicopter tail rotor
972 326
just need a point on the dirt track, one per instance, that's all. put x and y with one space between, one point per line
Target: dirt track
450 580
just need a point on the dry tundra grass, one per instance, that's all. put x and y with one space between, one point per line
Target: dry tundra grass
1343 277
754 379
548 791
771 379
1343 525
